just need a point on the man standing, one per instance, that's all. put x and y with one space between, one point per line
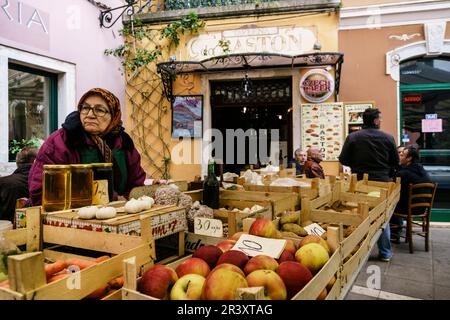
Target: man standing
299 161
15 186
372 151
312 167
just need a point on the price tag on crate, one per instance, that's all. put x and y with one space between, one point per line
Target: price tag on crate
254 246
314 228
208 227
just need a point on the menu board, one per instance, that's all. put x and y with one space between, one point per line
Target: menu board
322 127
353 115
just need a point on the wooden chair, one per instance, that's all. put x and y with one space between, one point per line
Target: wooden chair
421 198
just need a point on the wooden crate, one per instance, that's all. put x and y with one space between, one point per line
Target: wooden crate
26 271
310 292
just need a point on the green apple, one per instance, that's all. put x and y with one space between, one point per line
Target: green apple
188 287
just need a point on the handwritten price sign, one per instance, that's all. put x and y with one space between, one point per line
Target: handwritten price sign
314 228
208 227
254 246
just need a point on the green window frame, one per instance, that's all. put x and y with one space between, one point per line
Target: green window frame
53 94
441 215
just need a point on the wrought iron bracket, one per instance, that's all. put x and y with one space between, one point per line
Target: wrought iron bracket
168 74
106 16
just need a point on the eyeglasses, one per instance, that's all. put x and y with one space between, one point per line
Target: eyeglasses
97 110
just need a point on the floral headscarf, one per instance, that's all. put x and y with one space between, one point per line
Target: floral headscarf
113 105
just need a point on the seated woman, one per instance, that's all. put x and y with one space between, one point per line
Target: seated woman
92 134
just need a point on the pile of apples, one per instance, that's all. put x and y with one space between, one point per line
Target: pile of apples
216 272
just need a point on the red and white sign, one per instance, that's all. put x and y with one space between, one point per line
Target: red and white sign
317 85
431 125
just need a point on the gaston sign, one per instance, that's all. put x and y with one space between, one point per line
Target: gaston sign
287 40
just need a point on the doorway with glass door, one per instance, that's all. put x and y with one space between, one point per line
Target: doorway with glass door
425 121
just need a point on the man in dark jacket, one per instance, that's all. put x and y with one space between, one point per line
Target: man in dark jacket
372 151
410 172
299 161
15 186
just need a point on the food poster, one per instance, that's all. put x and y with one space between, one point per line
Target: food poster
322 127
353 116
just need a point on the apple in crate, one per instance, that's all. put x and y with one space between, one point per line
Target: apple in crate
231 267
313 256
264 228
286 256
237 235
312 238
158 281
226 245
260 262
294 275
238 258
274 287
188 287
290 246
209 253
193 265
221 284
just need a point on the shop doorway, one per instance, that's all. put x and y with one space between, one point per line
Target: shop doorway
425 100
267 107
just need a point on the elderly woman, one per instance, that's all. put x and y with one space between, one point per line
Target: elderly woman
92 134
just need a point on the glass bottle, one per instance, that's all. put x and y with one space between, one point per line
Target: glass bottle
82 178
56 187
211 188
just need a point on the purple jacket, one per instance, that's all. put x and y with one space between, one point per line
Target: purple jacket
55 151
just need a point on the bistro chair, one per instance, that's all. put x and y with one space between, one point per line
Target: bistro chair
421 198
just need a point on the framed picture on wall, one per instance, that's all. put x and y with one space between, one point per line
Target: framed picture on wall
353 112
187 116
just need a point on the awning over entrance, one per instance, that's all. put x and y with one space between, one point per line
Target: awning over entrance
249 61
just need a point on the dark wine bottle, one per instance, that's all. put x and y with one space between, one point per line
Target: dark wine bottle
211 188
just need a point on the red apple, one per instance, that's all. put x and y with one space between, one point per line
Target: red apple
237 235
238 258
274 288
226 245
157 281
193 265
229 266
221 284
210 254
286 256
290 246
188 287
260 262
294 275
312 238
264 228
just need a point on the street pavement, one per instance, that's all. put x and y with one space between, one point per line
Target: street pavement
421 275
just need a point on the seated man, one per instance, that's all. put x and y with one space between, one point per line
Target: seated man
299 161
312 167
15 186
410 172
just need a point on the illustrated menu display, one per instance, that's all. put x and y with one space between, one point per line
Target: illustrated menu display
322 127
353 116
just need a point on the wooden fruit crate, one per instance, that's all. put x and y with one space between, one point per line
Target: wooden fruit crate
310 292
27 276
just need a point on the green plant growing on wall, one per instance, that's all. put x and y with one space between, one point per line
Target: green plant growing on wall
138 55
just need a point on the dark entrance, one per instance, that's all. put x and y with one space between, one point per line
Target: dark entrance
269 106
